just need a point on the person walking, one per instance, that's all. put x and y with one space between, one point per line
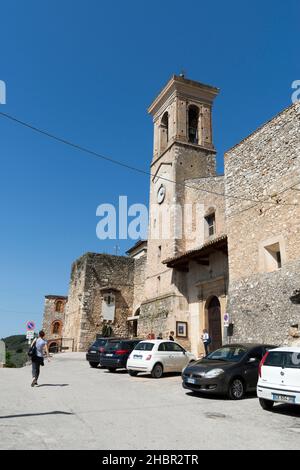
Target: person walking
160 336
171 336
37 347
206 339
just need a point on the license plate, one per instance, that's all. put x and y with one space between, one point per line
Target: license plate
93 352
283 398
109 355
191 381
137 357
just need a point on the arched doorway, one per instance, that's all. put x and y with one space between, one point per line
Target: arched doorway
214 323
53 348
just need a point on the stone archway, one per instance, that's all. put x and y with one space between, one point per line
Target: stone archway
53 347
214 322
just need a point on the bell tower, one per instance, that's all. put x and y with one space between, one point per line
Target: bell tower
183 150
182 114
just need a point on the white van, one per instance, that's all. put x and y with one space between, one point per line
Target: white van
279 377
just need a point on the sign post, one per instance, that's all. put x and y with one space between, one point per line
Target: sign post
30 326
226 320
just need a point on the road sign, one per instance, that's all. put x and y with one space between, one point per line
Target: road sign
226 319
30 335
30 325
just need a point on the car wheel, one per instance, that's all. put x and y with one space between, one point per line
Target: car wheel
157 371
94 364
236 389
266 404
133 373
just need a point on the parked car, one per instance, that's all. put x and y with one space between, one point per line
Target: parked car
279 377
231 370
116 352
157 357
94 351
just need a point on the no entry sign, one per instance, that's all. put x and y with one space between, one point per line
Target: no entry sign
30 325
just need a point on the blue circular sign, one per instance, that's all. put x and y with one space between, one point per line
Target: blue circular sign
30 325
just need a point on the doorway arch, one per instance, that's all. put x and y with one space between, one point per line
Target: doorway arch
53 348
214 322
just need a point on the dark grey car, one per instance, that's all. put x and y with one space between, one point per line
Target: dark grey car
231 370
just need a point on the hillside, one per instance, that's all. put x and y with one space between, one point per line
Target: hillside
17 347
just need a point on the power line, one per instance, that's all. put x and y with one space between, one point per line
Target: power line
130 167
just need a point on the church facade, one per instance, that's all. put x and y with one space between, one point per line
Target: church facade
205 247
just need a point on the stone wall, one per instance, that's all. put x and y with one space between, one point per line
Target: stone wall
92 275
159 315
262 181
71 330
206 193
261 307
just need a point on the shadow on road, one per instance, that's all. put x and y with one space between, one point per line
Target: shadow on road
26 415
52 385
117 371
288 410
167 375
219 397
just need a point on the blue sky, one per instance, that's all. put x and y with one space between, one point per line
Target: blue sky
87 71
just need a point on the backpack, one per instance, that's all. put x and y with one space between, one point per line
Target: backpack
32 350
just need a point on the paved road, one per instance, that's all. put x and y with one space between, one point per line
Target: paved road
76 407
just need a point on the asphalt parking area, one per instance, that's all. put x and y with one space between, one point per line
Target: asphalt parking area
77 407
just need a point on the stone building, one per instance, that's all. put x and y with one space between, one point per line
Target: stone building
54 320
262 178
216 244
100 298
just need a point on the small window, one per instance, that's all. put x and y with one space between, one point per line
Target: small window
211 224
159 251
164 132
274 359
193 119
292 360
59 306
278 259
56 328
113 345
109 299
272 255
144 347
174 347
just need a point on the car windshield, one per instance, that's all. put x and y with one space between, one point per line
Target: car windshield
228 354
144 347
113 345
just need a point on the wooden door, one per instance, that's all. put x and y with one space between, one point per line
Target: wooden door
215 324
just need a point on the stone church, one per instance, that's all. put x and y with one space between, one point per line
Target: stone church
223 252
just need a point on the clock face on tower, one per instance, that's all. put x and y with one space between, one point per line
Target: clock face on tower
161 193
